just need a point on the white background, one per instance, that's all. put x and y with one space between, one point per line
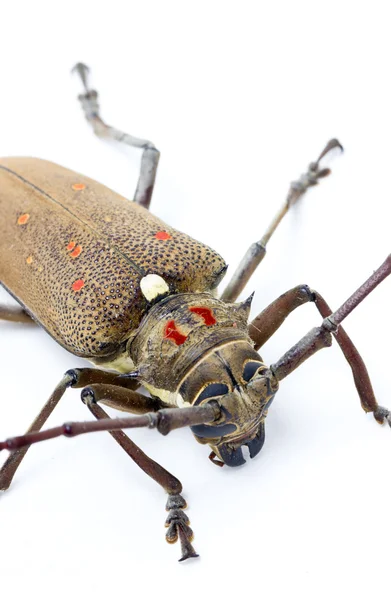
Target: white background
239 97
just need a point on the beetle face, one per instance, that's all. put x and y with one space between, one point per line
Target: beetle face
234 377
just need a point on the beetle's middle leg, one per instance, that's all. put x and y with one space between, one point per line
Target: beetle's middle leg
257 251
150 156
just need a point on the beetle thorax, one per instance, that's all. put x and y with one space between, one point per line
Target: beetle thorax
179 331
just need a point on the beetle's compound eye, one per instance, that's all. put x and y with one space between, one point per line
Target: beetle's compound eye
211 391
250 369
212 431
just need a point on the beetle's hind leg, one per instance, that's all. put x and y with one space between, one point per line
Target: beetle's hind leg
177 522
150 156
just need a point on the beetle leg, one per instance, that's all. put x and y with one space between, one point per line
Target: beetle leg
123 399
257 251
15 314
273 316
10 466
177 521
150 156
74 378
320 337
164 421
269 320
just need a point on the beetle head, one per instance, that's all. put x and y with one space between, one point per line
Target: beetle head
191 349
234 377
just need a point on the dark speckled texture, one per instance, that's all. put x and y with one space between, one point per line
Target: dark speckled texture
118 247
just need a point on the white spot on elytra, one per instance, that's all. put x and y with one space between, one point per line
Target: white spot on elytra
152 286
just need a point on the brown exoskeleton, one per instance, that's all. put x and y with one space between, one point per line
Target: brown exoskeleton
114 284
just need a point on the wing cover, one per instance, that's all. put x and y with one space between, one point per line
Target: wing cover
73 252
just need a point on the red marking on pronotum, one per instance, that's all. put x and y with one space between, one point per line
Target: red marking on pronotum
162 235
77 285
23 219
78 186
76 252
171 333
71 246
205 313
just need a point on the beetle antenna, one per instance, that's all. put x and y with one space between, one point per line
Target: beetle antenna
164 421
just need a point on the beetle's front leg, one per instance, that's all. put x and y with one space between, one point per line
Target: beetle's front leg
272 317
164 421
150 156
177 521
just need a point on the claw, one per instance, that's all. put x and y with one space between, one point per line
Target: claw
313 174
177 524
82 70
331 145
186 546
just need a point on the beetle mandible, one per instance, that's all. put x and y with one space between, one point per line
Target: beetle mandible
117 286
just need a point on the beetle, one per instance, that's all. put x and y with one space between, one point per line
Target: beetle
115 285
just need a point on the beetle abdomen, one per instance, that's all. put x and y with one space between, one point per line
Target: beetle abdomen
73 253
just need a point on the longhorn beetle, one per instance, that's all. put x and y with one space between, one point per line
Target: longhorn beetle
117 286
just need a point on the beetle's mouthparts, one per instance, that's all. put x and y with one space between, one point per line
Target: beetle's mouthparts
233 456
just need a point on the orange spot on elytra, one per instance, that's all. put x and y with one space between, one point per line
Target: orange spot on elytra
205 313
162 235
78 186
29 260
78 285
107 219
76 249
76 252
23 219
171 333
